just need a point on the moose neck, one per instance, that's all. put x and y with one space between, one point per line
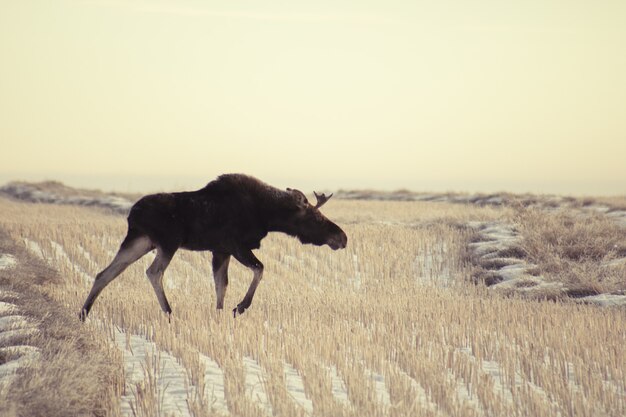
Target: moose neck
278 221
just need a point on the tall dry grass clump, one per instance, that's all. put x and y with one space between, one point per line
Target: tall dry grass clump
585 251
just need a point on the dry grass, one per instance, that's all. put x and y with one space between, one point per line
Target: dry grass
78 373
580 250
613 203
392 318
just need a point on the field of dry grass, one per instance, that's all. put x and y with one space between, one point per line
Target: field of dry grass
392 325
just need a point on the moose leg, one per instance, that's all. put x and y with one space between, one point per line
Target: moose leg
131 249
220 275
155 274
248 259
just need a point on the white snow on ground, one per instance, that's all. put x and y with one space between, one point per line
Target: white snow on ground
7 261
464 394
13 322
34 248
214 385
24 355
86 255
172 384
295 387
255 384
13 327
604 300
6 336
421 398
61 255
7 308
618 216
493 369
339 389
382 393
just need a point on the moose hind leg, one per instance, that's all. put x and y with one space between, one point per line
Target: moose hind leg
220 276
155 275
130 250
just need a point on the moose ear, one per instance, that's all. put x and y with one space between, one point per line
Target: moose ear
299 197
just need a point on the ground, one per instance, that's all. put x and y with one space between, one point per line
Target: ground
399 323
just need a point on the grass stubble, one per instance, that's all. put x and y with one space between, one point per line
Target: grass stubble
77 372
443 347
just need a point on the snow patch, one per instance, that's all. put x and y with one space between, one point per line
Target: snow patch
255 384
382 393
604 300
339 389
421 397
497 246
34 248
14 327
13 322
295 387
214 384
7 261
141 358
24 356
62 256
7 308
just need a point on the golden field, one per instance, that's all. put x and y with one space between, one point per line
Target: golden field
392 325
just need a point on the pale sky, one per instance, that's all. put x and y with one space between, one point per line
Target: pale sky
526 95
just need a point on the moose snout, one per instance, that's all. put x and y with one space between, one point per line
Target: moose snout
338 241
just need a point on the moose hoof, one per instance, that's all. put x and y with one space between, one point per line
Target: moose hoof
238 310
82 316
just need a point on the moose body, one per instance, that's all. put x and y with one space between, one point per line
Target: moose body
229 217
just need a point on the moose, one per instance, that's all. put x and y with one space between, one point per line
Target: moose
229 217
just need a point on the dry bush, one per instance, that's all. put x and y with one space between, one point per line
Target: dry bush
580 250
614 202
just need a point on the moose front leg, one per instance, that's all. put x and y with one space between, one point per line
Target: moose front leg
248 259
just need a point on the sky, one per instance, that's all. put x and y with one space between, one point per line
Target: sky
142 95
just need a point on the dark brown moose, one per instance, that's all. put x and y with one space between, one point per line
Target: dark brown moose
229 217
